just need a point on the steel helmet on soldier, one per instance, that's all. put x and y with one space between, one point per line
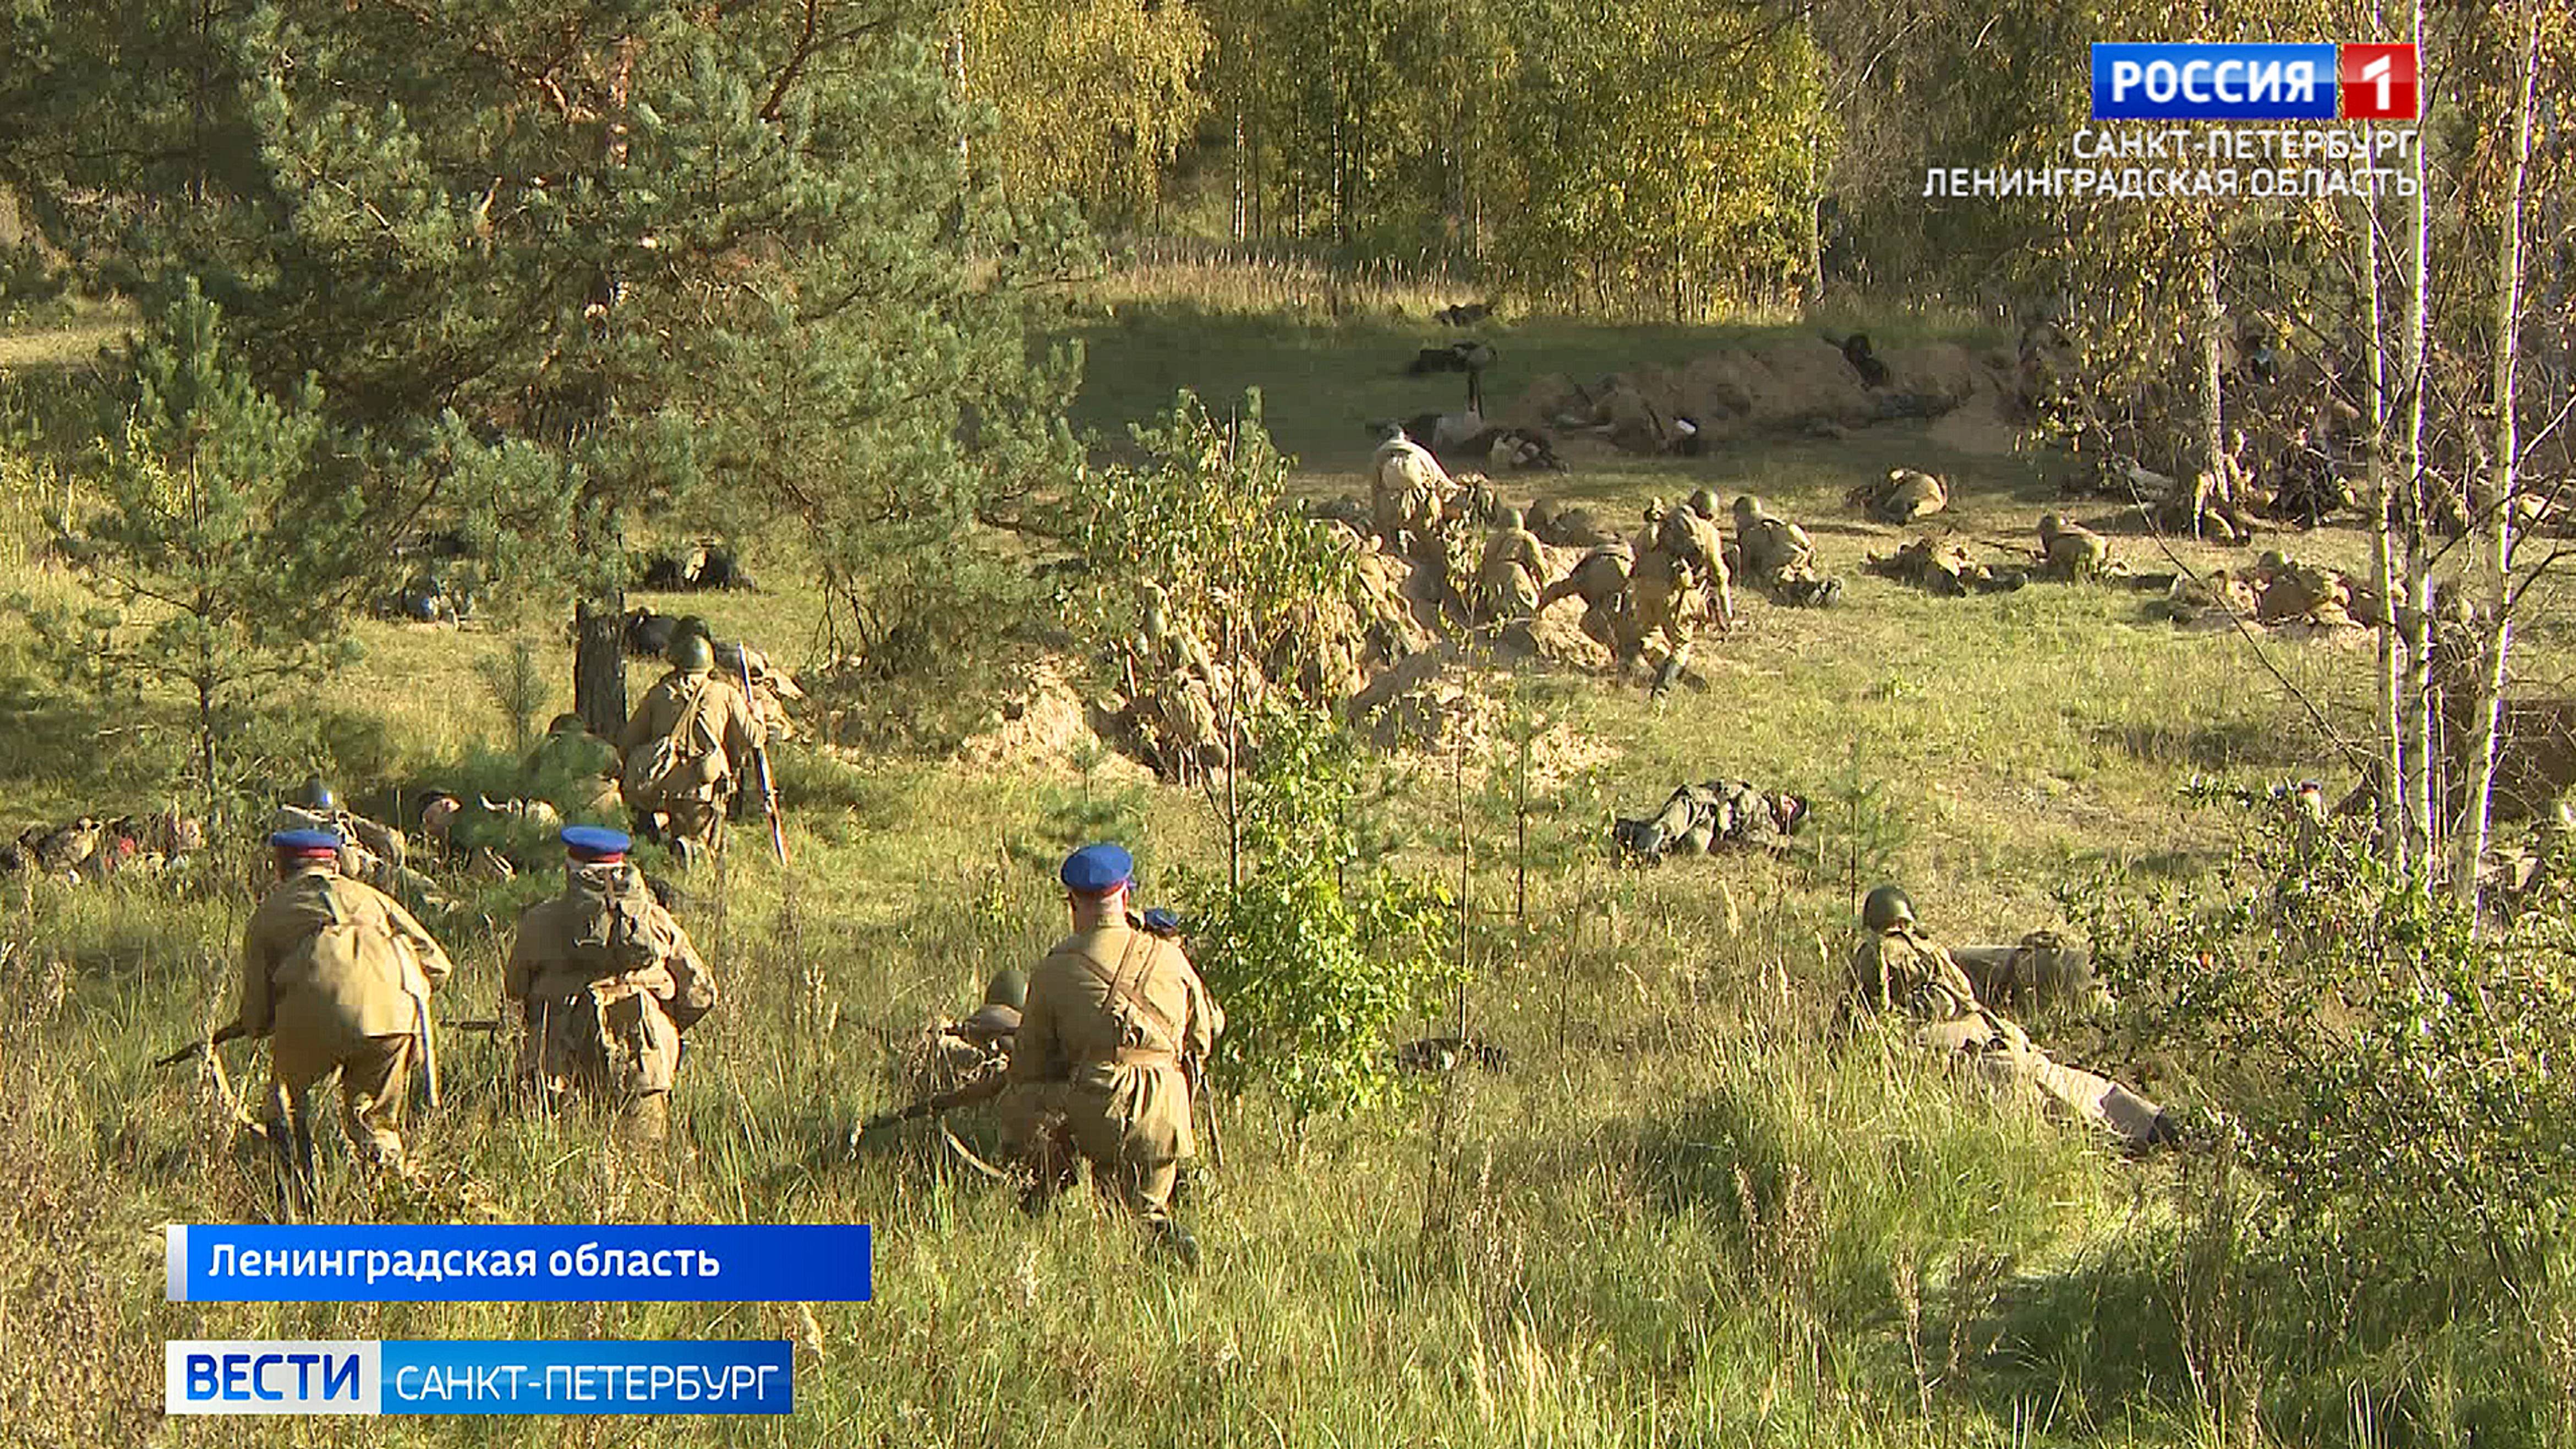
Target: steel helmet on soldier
692 654
1508 520
1886 906
314 795
1704 503
1008 988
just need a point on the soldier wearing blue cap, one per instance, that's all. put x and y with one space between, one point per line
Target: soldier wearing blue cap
607 981
1110 1045
338 976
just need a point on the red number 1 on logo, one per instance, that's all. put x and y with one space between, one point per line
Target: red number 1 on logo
2377 82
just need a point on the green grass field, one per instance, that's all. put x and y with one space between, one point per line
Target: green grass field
1680 1218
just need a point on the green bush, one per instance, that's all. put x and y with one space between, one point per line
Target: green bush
2391 1069
1315 956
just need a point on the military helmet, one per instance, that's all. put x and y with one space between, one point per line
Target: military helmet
691 653
1747 509
2049 525
992 1021
1008 988
566 724
1885 907
1508 520
1704 503
314 795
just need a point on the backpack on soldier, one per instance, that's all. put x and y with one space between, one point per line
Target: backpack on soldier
348 964
678 764
612 932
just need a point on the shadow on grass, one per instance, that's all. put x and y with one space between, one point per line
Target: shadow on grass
57 748
2316 1348
2232 745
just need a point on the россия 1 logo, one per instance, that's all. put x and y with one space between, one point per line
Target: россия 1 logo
2198 82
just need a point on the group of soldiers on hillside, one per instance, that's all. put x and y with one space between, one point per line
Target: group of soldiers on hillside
1430 550
337 970
1095 1054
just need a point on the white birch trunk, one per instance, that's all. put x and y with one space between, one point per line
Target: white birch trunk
2495 553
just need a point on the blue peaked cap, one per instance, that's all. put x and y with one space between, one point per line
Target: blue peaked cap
595 842
1161 920
1096 870
306 840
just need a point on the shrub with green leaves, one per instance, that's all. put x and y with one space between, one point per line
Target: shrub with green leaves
2394 1072
1209 521
1315 957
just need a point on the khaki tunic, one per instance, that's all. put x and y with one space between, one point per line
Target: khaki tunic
577 770
1109 1059
592 1026
1696 541
725 735
1507 579
1898 971
355 1012
1770 547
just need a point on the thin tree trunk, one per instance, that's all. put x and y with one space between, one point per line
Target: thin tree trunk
2213 384
2383 560
1242 208
2418 702
957 78
2497 553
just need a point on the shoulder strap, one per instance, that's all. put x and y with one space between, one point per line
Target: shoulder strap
1131 991
684 729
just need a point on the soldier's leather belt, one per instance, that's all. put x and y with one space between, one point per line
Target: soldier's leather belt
1143 1057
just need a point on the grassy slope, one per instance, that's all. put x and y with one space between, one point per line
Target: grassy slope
1678 1220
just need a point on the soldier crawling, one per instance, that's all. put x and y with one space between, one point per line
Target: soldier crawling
1714 815
1898 972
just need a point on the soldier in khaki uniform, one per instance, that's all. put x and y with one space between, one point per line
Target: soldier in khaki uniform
1714 815
607 981
1408 489
2069 551
575 769
1512 572
683 748
375 854
1899 971
1778 555
337 975
1601 580
1116 1030
1690 533
1906 495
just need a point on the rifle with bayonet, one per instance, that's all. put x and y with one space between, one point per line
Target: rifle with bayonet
983 1089
201 1046
760 776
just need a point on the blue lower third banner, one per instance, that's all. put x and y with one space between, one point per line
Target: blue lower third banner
480 1376
507 1263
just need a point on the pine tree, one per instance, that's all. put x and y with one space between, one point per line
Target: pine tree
232 533
590 264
